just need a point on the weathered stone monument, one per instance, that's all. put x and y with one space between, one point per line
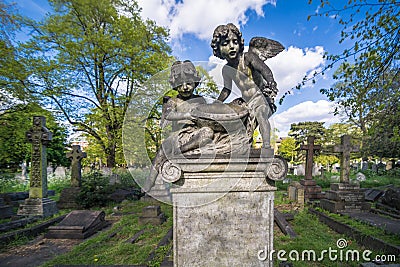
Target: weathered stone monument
38 203
222 189
68 195
296 193
311 189
78 224
345 196
152 215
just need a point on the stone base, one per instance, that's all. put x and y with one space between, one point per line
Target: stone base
38 207
312 191
68 198
152 215
345 198
223 214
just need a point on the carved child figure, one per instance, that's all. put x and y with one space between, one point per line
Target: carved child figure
249 72
186 135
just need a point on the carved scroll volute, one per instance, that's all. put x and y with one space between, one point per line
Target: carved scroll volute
170 172
278 169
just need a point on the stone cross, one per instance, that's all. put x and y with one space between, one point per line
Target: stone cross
39 136
76 155
345 148
310 148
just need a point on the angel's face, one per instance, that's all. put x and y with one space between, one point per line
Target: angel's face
230 47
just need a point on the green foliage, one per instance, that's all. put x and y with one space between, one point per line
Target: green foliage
95 190
289 149
15 124
9 184
58 184
300 131
101 49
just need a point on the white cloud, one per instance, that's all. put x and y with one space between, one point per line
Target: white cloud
199 17
321 111
291 65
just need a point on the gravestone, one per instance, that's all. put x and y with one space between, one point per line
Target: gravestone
68 195
389 165
24 173
152 215
38 203
374 168
50 170
345 197
300 170
78 224
311 189
6 211
364 164
373 194
296 193
60 172
360 177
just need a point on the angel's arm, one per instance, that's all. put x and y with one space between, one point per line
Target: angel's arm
226 91
254 62
171 113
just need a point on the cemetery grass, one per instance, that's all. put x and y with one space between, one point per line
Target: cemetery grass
22 239
110 247
364 228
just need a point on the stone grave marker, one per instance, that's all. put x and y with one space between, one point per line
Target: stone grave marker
76 156
300 170
296 193
68 195
78 224
345 197
152 215
311 189
364 164
373 194
6 211
389 165
60 172
374 167
360 177
38 203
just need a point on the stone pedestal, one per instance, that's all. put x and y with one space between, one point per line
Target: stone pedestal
312 191
68 198
223 210
345 198
38 207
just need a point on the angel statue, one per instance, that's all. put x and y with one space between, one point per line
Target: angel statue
249 72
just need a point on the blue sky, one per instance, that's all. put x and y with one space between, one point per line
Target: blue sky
191 24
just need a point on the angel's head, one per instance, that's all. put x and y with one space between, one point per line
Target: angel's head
184 77
223 33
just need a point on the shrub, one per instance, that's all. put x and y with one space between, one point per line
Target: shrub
95 190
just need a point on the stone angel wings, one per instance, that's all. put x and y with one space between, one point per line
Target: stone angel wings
266 48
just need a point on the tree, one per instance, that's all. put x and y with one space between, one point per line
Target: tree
300 131
13 144
93 55
288 149
375 35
